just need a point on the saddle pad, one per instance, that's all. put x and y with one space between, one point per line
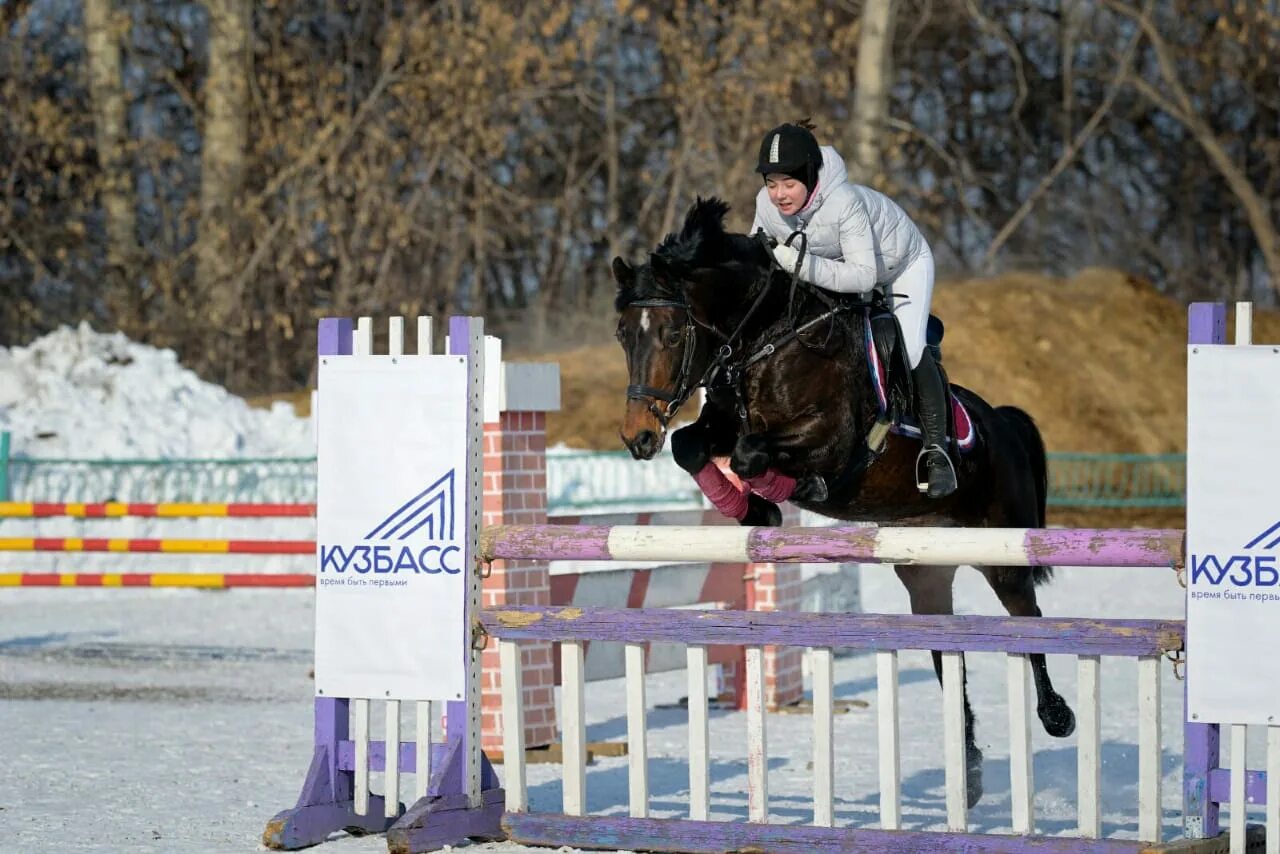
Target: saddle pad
965 437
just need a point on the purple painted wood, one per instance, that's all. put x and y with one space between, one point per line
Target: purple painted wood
851 631
334 337
714 837
1039 547
545 542
1201 754
1255 786
434 822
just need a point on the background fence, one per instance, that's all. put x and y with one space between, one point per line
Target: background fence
576 480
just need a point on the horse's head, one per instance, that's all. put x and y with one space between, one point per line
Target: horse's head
668 308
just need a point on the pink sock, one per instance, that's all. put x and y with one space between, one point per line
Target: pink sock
724 496
773 485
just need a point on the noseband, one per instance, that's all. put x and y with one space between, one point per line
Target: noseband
684 386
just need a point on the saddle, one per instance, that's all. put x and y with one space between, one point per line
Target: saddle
891 374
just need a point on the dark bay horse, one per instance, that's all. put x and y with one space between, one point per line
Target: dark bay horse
790 400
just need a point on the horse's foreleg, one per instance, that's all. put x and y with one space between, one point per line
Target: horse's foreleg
693 448
930 590
1017 593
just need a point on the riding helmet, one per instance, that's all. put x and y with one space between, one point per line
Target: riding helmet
793 151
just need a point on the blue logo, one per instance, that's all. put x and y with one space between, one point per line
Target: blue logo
427 519
1246 568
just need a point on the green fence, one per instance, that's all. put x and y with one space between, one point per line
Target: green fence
576 481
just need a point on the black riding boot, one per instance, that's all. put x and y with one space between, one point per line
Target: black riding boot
931 402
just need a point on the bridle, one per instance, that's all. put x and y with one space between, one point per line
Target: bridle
684 385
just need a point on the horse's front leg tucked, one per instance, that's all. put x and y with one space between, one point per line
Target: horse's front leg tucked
755 462
693 448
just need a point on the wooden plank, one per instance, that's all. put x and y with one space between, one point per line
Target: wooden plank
426 340
513 725
1089 748
1021 547
395 336
391 769
573 708
1239 764
890 749
360 735
422 749
1021 784
823 737
637 741
957 781
853 631
714 837
1149 773
1273 790
699 739
757 742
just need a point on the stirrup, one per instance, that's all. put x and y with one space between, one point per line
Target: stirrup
923 485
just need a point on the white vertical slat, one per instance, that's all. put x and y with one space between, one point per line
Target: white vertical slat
823 740
1239 763
391 763
360 735
422 749
1244 323
1149 749
890 751
699 743
513 726
1021 784
637 742
953 738
395 336
1273 790
1089 748
757 747
574 737
426 342
363 344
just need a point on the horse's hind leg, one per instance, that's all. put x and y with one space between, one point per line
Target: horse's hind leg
1018 595
930 590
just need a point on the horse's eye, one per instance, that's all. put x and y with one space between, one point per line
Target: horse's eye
618 333
672 337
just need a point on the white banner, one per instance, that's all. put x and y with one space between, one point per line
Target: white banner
391 528
1233 534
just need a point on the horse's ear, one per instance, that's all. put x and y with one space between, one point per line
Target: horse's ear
623 273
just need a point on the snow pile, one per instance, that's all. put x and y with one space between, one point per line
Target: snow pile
85 394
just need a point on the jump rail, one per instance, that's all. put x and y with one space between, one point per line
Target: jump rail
863 544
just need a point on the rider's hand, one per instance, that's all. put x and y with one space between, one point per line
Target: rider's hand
786 256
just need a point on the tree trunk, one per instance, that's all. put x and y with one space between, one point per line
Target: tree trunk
871 98
111 132
222 156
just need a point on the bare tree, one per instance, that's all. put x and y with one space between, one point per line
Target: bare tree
871 98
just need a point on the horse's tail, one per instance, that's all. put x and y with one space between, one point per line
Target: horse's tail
1029 434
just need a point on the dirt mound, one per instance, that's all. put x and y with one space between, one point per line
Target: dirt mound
1098 360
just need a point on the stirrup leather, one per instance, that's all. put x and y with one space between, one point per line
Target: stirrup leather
923 485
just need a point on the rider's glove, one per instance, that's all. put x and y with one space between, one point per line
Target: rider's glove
786 256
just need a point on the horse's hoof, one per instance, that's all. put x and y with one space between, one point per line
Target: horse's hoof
973 775
690 450
761 512
811 488
750 456
1058 719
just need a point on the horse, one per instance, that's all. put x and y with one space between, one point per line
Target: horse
790 398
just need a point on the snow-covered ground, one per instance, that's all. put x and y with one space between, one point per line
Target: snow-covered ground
180 721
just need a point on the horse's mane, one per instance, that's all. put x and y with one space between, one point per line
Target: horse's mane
701 244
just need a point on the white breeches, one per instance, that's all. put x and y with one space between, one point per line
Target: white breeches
912 293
